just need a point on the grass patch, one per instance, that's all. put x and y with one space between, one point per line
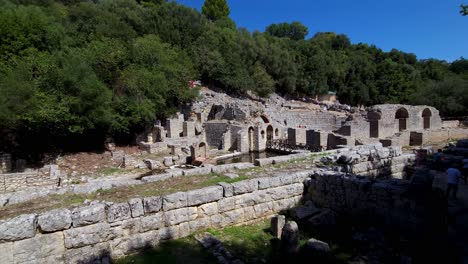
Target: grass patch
109 171
184 250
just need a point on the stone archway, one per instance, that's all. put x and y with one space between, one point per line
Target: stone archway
251 138
426 115
402 116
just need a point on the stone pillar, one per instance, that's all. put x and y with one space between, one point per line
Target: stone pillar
277 224
316 139
189 129
290 238
297 136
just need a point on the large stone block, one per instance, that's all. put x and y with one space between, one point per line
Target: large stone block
168 233
39 249
263 209
21 227
268 182
205 195
199 224
55 220
152 204
88 235
134 243
118 212
6 252
174 201
136 207
181 215
89 215
228 189
99 253
152 222
208 209
246 186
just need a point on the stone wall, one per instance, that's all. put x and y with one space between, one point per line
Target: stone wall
14 182
97 232
215 132
395 203
5 163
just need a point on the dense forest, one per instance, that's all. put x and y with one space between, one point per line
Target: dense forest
76 71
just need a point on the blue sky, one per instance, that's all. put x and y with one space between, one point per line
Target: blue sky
427 28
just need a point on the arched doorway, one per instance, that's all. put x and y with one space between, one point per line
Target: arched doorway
251 139
426 115
202 150
402 116
374 118
270 133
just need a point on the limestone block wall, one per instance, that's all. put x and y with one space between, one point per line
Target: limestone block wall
394 203
98 232
315 120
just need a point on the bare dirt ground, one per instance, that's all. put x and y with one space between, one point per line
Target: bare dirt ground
89 163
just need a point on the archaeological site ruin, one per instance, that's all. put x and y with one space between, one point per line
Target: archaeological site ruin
314 162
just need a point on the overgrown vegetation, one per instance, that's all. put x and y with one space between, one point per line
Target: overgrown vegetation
74 72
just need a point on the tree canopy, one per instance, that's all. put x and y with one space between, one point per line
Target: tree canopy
215 9
84 70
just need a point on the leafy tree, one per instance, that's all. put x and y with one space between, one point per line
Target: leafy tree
215 9
294 30
464 10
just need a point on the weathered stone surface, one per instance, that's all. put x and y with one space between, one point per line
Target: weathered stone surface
6 252
55 220
283 192
89 215
152 222
181 215
168 233
290 238
228 189
199 224
302 212
87 235
285 204
152 204
184 229
325 217
168 161
174 201
157 177
263 209
136 207
277 224
21 227
316 247
245 186
268 182
205 195
99 253
198 171
133 243
228 218
39 249
118 212
208 209
213 245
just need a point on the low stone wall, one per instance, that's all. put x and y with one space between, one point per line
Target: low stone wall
396 203
97 232
13 182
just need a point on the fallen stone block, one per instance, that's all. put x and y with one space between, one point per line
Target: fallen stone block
316 247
